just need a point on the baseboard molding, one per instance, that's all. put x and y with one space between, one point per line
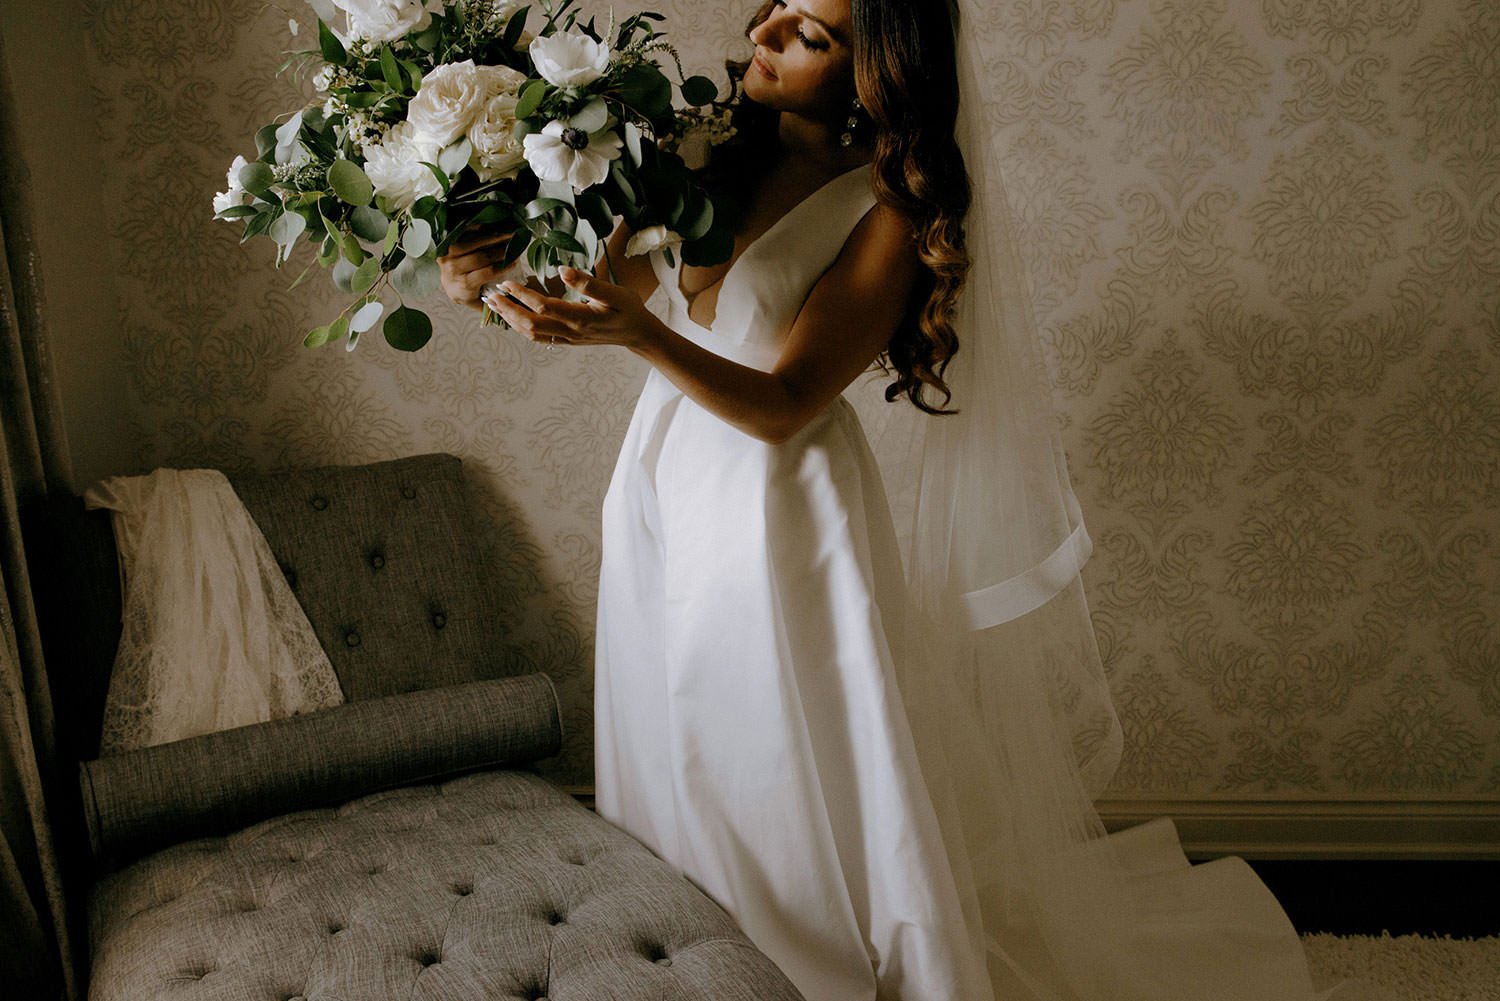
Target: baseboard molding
1321 829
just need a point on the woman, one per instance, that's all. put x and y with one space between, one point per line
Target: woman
763 719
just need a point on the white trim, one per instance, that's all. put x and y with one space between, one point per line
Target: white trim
1267 828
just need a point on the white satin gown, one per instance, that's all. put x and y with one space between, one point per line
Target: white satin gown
749 728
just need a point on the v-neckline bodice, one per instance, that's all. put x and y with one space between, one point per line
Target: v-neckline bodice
723 280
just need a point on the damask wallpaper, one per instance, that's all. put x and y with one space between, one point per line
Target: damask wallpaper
1263 242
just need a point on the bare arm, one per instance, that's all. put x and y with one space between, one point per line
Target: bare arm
847 320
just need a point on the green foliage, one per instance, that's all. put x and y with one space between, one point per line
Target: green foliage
407 329
308 183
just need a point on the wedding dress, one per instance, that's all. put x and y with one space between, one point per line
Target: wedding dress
757 725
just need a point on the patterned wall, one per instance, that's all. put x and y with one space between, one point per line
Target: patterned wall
1264 244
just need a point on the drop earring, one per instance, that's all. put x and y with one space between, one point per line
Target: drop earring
852 124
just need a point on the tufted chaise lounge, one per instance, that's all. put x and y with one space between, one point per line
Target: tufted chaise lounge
393 847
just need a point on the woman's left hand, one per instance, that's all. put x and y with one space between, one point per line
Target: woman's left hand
609 314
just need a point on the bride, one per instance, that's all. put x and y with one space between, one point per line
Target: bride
883 775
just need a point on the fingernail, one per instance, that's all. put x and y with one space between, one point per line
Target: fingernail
568 274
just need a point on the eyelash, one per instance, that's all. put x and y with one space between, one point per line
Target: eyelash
809 43
802 36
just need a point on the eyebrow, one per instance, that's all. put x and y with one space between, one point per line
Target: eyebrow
837 35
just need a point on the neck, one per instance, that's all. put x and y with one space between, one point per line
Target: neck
817 142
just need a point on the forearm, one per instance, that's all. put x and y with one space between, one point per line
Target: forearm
764 405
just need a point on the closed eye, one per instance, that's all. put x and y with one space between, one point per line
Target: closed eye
815 45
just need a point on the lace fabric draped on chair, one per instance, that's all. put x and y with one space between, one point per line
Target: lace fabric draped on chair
213 637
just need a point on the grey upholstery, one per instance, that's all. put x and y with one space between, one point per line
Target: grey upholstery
384 562
494 885
212 784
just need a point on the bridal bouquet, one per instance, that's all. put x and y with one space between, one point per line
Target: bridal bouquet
440 116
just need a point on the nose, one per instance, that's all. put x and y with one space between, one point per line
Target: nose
766 33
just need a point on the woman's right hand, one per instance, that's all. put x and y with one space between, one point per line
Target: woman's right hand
472 263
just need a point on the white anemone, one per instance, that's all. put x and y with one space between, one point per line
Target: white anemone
561 153
569 59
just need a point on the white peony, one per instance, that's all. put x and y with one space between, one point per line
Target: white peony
652 238
453 96
569 59
497 153
384 20
561 153
445 105
236 195
395 166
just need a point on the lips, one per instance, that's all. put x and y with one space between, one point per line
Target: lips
763 66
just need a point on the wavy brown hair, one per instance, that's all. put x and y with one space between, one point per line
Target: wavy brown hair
906 78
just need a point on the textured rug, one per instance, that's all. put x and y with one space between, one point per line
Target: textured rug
1409 967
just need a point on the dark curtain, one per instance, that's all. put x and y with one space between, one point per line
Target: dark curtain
35 950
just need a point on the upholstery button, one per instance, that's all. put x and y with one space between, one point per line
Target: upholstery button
377 561
334 928
319 503
408 492
351 638
556 919
439 620
462 889
429 958
664 961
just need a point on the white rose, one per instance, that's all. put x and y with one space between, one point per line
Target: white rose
561 153
236 193
652 238
395 166
497 153
569 59
384 20
449 98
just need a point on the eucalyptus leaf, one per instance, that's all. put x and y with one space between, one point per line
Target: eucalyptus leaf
236 212
699 225
286 229
256 178
407 329
265 142
369 224
342 275
365 276
418 237
699 90
318 336
416 276
365 316
456 157
633 142
561 190
350 183
353 252
353 340
592 117
286 138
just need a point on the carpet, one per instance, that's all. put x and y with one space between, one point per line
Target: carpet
1409 967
